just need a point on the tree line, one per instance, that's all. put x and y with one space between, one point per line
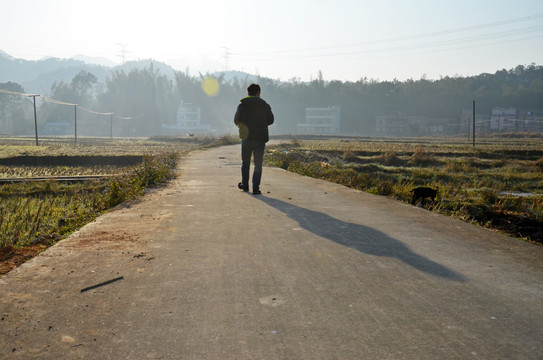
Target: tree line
144 99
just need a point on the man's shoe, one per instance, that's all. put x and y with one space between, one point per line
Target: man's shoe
257 192
243 187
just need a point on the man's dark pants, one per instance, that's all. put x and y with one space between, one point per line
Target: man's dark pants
248 148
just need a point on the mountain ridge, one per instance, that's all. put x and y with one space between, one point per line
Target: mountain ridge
37 76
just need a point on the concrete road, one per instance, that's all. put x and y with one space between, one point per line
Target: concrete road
308 270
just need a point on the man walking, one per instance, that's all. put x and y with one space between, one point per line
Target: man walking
253 116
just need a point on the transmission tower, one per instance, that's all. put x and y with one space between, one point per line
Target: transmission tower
122 52
226 58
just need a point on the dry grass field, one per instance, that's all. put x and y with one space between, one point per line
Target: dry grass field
497 184
36 214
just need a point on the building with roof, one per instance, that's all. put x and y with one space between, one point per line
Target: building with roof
188 121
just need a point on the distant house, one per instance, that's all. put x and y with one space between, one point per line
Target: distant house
437 126
188 121
392 125
503 119
321 121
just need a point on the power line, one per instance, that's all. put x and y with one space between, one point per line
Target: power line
402 38
464 47
94 112
443 45
58 102
33 96
481 40
126 118
404 46
16 93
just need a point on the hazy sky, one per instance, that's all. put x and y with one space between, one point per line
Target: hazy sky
345 39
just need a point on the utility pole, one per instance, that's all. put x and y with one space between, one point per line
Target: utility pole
111 127
75 122
473 123
467 125
35 119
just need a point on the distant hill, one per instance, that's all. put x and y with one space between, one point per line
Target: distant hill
19 70
38 76
95 60
230 75
163 69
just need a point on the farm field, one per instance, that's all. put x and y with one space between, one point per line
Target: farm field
497 184
36 214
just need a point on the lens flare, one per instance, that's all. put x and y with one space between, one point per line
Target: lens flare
211 86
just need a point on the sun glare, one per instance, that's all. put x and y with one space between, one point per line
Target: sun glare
211 86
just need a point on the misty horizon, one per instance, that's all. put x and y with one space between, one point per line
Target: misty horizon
347 41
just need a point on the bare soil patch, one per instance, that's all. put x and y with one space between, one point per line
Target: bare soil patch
514 224
10 257
78 160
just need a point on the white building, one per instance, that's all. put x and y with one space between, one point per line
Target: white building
189 119
321 121
503 119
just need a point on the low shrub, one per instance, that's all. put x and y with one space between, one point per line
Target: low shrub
488 196
223 140
464 166
421 158
383 187
390 158
349 155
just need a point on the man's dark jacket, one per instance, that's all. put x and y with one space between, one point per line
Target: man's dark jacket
253 117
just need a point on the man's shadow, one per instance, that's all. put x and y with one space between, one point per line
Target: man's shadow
360 237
